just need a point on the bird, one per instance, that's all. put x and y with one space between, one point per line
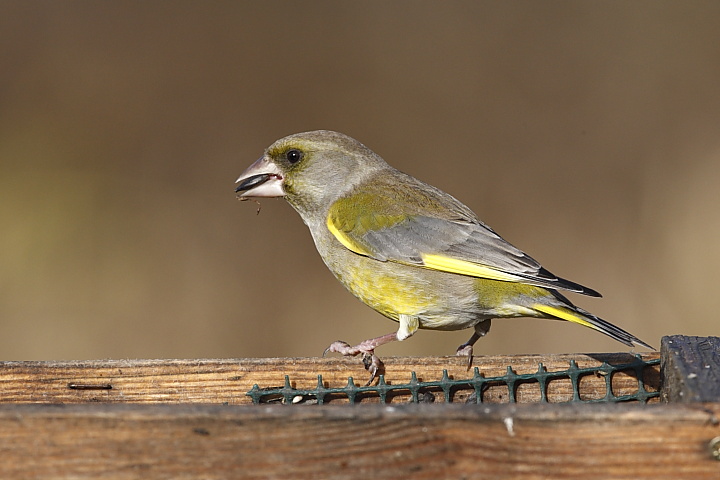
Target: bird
407 249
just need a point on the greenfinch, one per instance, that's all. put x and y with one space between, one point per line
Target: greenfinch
407 249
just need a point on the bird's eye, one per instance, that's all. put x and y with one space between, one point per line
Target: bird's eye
293 156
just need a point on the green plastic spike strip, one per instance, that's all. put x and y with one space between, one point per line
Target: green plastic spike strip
420 392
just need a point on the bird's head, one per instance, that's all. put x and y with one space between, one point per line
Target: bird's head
311 170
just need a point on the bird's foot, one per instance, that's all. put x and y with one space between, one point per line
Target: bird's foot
371 361
465 350
343 348
373 365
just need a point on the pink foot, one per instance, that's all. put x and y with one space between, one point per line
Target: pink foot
465 350
367 348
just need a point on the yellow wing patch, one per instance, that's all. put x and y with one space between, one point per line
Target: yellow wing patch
564 314
349 220
431 261
462 267
346 240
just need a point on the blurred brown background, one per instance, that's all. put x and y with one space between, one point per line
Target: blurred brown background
586 133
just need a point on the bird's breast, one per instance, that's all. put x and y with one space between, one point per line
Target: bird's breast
440 300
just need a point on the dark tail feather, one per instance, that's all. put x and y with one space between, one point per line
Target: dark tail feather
548 280
574 314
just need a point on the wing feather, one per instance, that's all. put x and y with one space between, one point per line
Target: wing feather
428 228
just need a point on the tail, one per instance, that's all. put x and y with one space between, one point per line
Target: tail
567 311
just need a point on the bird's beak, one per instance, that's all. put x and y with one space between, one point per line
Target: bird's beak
261 179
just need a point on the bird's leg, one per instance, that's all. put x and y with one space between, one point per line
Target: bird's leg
408 326
466 349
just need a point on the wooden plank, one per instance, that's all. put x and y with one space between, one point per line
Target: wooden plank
227 381
690 368
592 442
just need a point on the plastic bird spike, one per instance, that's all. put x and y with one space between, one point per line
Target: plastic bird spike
420 392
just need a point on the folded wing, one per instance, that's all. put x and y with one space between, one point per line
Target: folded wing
452 240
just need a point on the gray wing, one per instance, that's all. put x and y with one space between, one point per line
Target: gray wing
410 222
416 237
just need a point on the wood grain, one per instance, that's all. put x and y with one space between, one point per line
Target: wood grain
538 441
226 381
690 368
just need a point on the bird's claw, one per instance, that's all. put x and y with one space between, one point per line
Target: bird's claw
465 350
373 365
340 347
371 362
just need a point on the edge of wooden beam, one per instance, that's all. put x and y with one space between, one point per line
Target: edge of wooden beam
229 380
690 368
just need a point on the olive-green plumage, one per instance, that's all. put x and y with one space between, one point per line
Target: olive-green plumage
405 248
